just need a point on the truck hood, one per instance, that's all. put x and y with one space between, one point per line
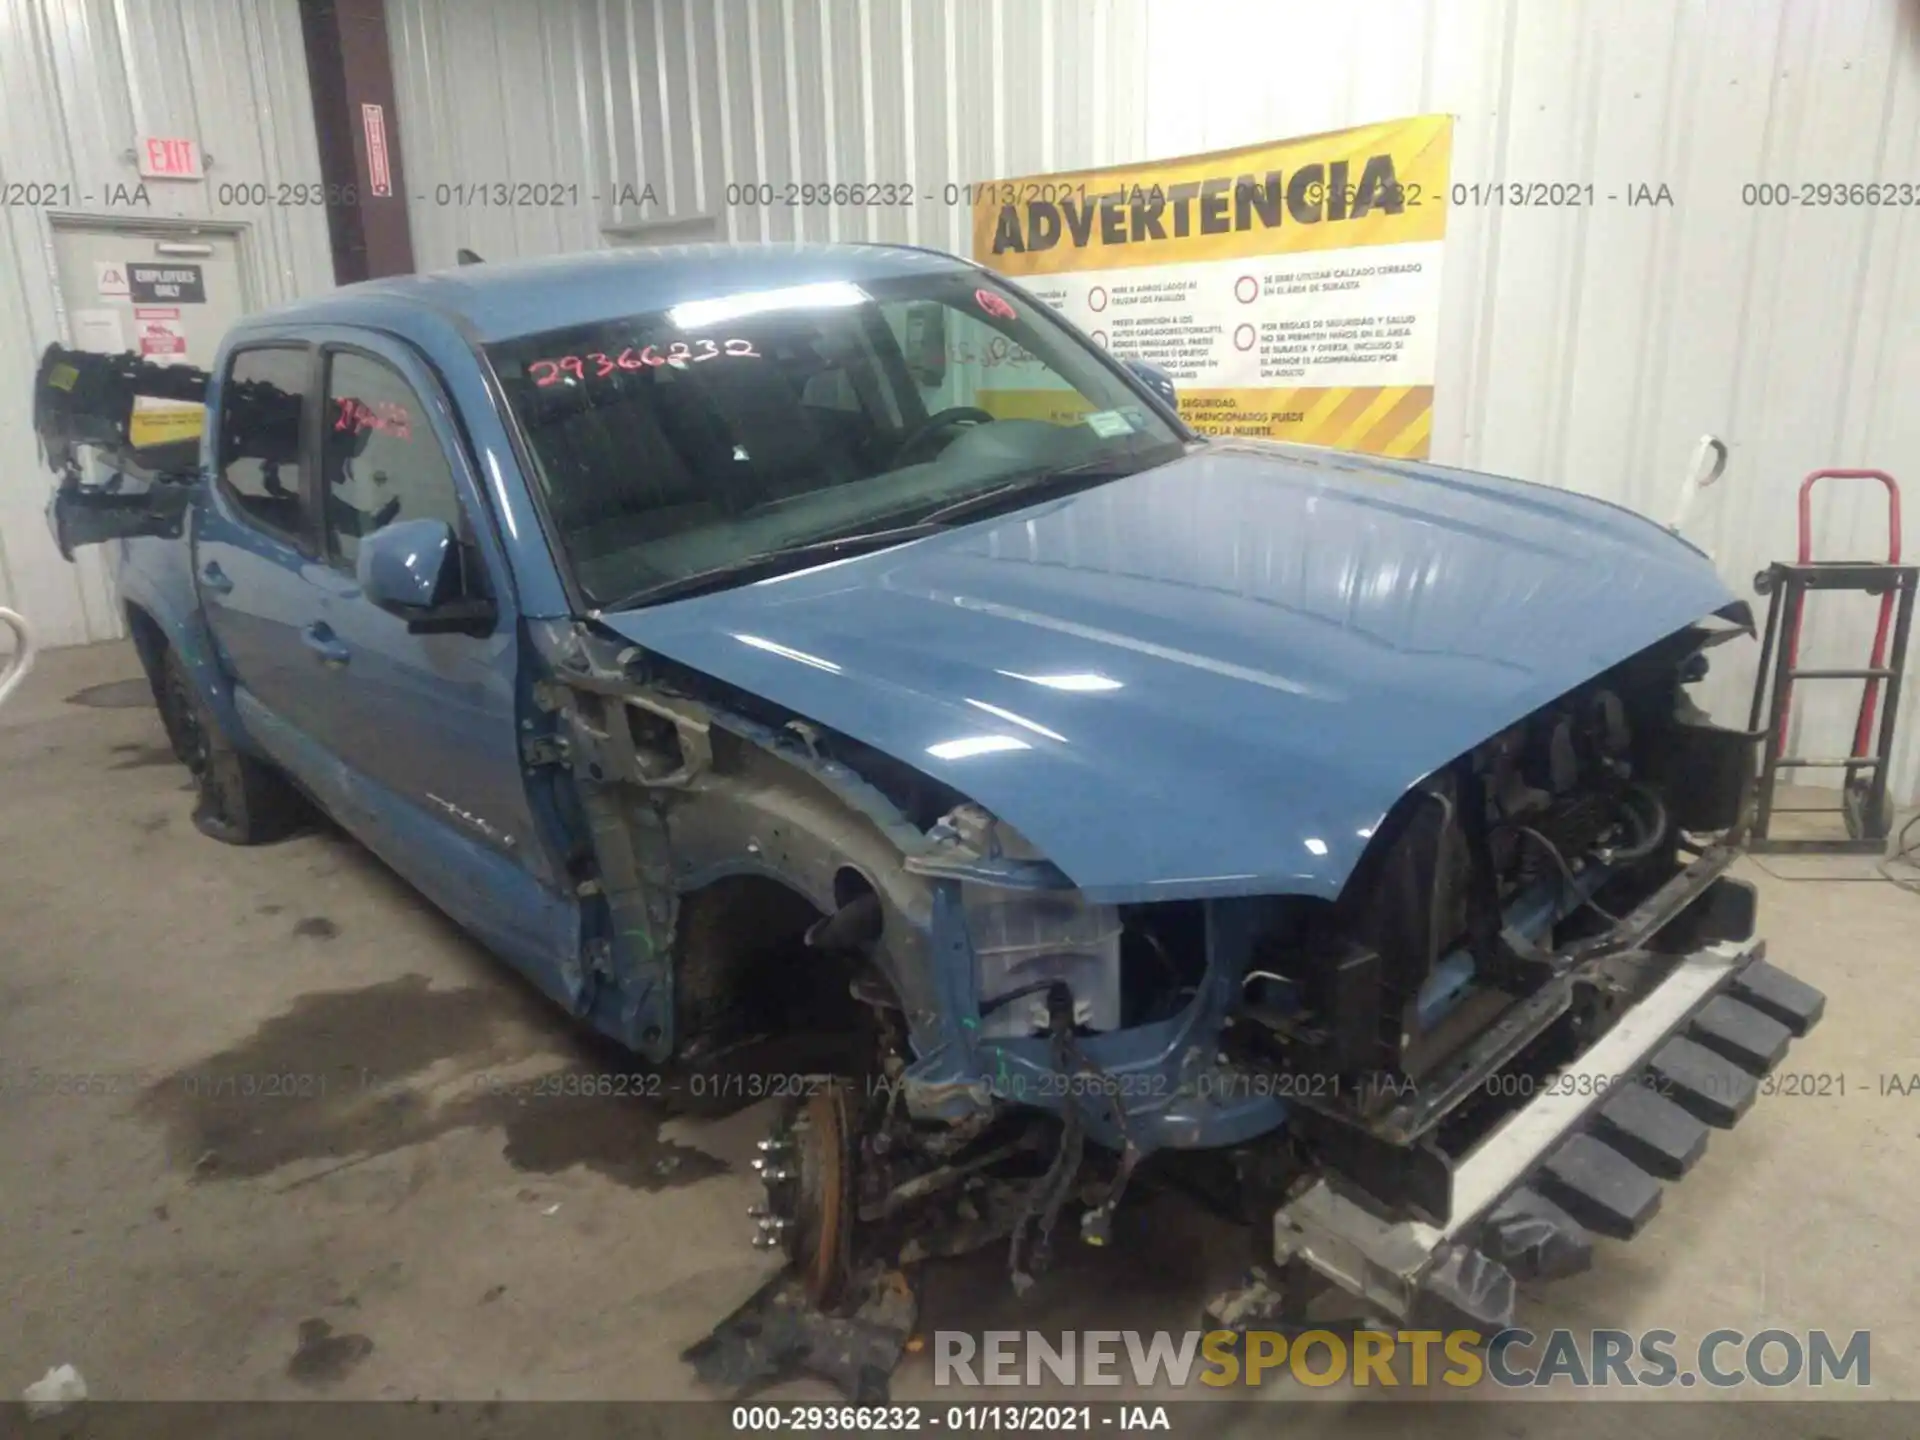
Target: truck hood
1213 677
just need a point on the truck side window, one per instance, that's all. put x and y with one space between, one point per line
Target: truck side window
380 460
261 407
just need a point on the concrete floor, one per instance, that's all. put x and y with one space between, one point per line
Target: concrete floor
410 1234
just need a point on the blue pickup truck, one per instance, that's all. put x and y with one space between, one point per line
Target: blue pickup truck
731 636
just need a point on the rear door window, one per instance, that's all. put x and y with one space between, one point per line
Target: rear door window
263 410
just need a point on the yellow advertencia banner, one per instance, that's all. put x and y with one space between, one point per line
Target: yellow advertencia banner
1292 290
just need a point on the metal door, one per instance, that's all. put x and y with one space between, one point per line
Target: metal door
168 296
166 292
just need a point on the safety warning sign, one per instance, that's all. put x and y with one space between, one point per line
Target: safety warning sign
1292 290
373 121
162 337
164 422
183 284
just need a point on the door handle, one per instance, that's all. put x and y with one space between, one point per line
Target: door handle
215 579
319 638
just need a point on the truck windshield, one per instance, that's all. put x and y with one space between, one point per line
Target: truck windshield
688 441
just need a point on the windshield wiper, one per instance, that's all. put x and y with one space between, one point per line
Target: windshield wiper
766 563
1040 485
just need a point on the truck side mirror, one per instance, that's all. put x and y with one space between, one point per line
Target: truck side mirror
1156 379
412 568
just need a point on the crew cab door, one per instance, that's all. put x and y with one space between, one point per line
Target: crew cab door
253 530
428 715
407 730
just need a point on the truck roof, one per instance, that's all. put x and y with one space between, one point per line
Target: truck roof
520 297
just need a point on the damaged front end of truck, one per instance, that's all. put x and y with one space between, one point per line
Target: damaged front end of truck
1440 1068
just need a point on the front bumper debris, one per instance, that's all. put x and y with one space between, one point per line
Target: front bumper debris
1586 1156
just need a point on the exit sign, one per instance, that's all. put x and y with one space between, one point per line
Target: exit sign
165 157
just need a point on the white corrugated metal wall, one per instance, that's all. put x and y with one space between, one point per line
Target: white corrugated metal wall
689 96
1591 347
79 80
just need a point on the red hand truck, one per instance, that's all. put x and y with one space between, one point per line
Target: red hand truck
1863 792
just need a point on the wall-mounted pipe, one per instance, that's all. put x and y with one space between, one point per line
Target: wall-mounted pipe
17 664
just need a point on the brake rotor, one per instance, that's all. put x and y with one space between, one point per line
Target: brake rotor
809 1175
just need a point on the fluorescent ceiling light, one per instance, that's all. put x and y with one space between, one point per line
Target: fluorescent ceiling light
701 314
786 652
1020 720
1081 682
976 745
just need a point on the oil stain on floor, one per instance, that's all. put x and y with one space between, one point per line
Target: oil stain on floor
114 695
341 1076
139 757
322 1357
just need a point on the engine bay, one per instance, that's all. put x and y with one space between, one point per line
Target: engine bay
1485 879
